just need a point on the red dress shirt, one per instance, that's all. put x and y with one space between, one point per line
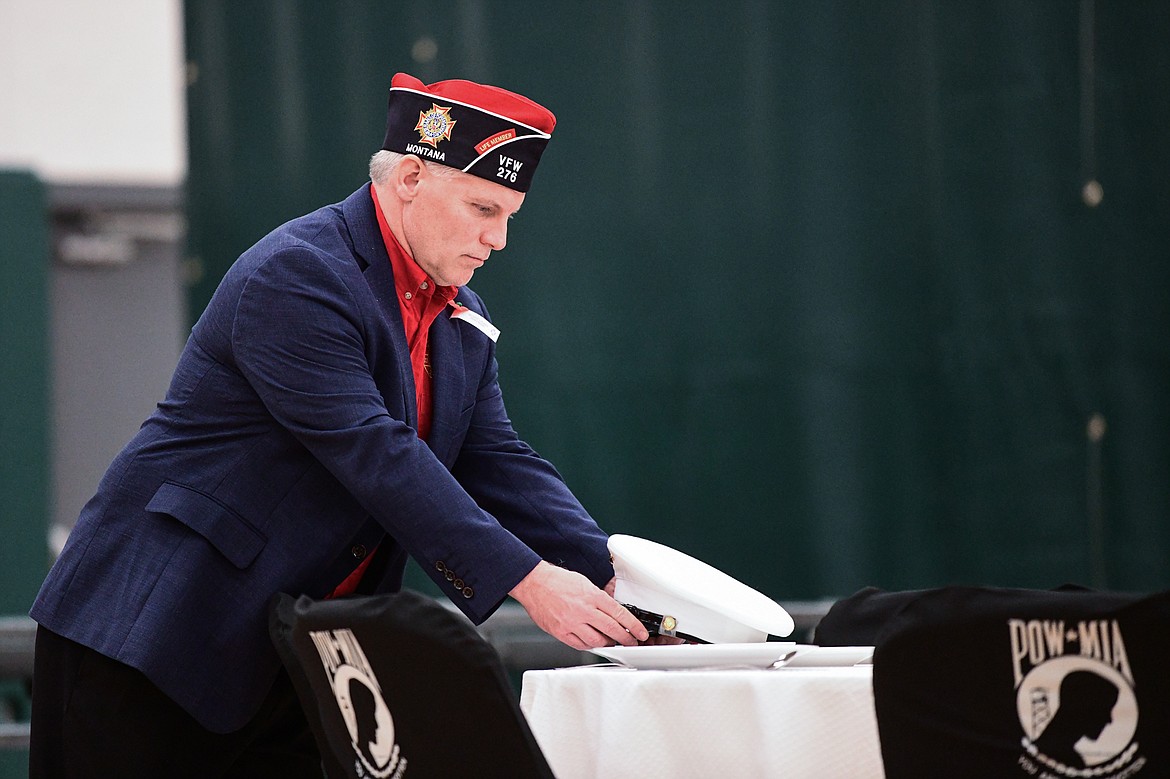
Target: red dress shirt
421 301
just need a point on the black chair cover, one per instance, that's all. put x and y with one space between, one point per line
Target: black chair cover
861 619
398 686
982 682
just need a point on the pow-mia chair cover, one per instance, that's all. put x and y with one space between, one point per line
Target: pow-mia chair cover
397 686
983 682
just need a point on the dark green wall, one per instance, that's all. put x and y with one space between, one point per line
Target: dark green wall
24 389
24 418
806 289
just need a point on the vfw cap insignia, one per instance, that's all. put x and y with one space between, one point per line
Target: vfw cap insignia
435 125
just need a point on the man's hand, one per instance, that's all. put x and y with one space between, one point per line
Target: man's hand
572 610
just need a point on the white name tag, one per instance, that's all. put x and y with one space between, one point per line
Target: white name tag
476 321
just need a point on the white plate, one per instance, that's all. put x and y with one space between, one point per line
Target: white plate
672 656
810 656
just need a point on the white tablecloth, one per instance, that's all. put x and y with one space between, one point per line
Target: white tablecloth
601 721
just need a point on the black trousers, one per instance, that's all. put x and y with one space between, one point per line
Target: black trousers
93 716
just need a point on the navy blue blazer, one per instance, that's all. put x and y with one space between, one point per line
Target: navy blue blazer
286 449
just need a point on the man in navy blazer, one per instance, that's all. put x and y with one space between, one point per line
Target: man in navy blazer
336 408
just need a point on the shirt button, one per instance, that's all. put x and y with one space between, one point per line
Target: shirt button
424 285
408 296
358 551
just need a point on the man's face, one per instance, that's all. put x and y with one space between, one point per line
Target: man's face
453 223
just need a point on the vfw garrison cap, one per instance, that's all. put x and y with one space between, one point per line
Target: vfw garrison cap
674 594
479 129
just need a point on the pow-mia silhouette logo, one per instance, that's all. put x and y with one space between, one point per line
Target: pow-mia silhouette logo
359 699
1075 699
434 125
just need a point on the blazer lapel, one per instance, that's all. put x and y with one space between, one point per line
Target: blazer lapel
370 251
445 341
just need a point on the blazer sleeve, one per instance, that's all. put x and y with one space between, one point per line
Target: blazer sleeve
301 338
524 491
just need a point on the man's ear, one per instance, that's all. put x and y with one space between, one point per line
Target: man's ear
407 175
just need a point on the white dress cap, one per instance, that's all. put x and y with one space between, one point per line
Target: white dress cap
702 601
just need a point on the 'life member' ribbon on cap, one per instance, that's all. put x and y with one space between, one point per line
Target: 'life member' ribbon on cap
475 320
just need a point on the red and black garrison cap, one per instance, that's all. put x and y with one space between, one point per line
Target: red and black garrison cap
479 129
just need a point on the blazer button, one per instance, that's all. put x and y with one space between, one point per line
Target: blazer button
358 551
440 565
468 592
450 576
458 584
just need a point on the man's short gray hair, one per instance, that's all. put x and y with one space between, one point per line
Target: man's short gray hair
383 163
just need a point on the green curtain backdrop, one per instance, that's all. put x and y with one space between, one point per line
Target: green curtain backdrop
24 419
809 290
24 390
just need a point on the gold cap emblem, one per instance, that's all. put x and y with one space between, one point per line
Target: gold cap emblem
434 125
